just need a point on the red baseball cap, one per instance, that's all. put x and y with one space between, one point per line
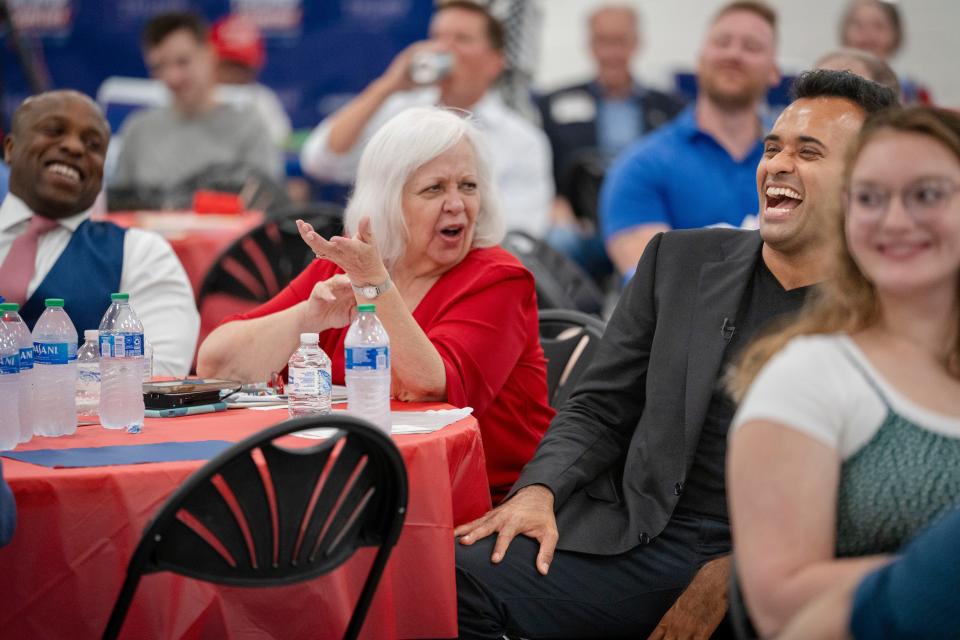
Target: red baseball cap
237 38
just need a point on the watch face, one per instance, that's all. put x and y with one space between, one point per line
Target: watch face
369 292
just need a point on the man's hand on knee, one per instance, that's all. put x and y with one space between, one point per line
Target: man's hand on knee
530 513
700 608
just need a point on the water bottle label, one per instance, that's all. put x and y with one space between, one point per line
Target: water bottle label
53 353
121 345
10 364
88 375
367 358
26 358
309 381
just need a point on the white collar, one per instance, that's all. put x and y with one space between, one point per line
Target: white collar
14 211
489 108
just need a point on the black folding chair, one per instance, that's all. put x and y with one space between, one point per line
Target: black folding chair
560 282
262 262
569 339
299 513
580 183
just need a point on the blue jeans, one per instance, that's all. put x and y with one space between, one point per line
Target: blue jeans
583 595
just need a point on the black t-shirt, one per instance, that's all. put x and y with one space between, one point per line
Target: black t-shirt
764 300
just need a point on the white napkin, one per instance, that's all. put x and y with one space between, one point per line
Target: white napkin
402 422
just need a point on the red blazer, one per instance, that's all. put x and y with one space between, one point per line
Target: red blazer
481 316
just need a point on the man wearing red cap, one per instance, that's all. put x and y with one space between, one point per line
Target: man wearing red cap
240 56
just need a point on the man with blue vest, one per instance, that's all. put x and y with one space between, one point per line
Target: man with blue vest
49 248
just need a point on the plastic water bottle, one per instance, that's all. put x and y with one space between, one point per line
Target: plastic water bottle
308 379
9 387
54 372
121 366
367 361
12 319
88 375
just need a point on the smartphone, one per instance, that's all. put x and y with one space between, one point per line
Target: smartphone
186 393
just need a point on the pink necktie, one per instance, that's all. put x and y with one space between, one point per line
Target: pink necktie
18 267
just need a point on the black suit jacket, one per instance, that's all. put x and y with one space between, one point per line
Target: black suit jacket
570 138
617 454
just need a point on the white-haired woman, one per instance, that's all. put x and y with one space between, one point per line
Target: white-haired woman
421 235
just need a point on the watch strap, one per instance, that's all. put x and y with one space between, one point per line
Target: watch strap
379 289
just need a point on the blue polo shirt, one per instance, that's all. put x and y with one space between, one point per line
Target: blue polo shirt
679 176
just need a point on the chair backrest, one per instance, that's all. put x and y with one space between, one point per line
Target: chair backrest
569 339
257 190
581 182
263 515
560 282
262 262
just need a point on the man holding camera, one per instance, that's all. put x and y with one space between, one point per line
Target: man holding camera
457 67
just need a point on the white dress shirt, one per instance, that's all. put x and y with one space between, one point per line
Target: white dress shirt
160 292
520 153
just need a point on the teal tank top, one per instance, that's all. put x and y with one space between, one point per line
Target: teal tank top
901 480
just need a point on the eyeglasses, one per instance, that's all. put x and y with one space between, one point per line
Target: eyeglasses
923 200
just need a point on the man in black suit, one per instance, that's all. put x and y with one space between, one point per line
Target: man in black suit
622 510
591 123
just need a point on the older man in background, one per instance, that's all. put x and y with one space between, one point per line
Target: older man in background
699 169
474 41
589 124
49 247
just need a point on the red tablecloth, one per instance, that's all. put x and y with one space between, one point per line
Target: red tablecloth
77 529
197 239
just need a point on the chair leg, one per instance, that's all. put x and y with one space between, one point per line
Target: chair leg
122 605
366 595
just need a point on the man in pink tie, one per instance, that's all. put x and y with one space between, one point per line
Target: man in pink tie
50 248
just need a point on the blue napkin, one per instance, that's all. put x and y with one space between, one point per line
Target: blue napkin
122 454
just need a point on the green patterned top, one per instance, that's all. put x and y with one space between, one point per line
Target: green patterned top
897 483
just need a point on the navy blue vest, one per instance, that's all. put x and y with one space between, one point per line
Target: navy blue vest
85 275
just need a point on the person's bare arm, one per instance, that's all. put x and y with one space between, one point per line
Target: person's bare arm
826 618
626 247
251 350
348 123
782 488
700 608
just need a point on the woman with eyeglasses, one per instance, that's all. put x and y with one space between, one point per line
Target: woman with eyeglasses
847 440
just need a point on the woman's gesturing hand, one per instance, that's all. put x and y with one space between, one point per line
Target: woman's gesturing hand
357 256
331 304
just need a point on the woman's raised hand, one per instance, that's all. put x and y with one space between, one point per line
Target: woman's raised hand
331 304
357 256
